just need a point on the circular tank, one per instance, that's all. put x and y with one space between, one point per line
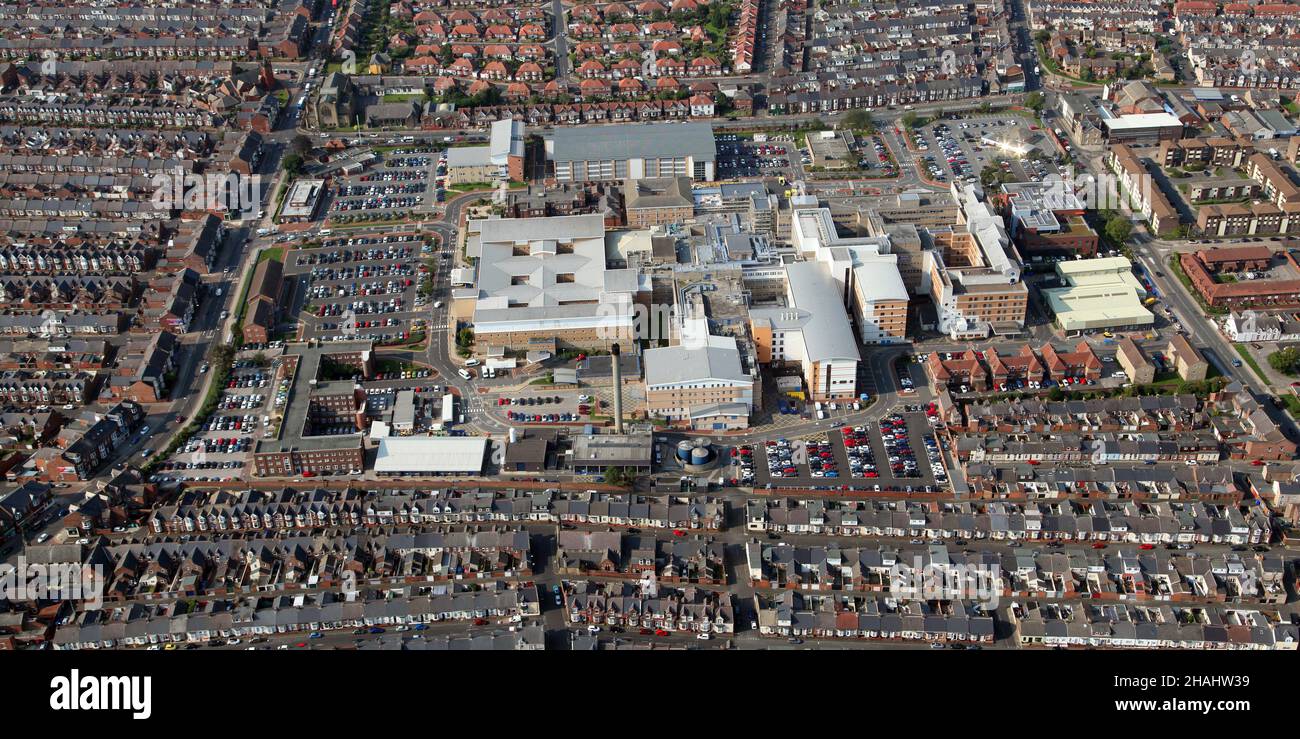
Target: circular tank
684 449
700 455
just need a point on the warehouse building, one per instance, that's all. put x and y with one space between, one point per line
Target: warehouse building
633 151
431 456
1098 294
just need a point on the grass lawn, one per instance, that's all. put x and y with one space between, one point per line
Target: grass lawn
1292 404
1250 360
276 253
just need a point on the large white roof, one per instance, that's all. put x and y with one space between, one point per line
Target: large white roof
541 262
431 454
718 361
1142 120
826 331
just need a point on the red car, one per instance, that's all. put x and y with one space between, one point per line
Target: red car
1257 462
1099 545
480 622
678 532
1147 546
660 632
301 644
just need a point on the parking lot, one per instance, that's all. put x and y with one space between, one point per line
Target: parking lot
246 411
741 157
898 453
400 184
547 407
962 148
364 287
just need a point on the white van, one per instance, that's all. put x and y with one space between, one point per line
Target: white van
464 374
471 362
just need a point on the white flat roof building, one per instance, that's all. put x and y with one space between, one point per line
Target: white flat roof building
1141 127
431 455
548 275
506 140
302 199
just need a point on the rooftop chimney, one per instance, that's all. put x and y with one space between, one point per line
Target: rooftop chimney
618 390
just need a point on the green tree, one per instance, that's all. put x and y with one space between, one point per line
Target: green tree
620 476
292 163
1034 101
991 176
909 119
1286 361
860 120
1118 230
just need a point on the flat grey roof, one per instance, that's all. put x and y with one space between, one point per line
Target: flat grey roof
635 141
294 421
612 449
469 156
671 365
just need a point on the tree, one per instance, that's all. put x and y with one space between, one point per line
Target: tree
620 476
301 145
1034 101
465 337
1118 230
292 163
991 176
909 119
1286 361
860 120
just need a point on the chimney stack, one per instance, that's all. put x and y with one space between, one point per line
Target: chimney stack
618 390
